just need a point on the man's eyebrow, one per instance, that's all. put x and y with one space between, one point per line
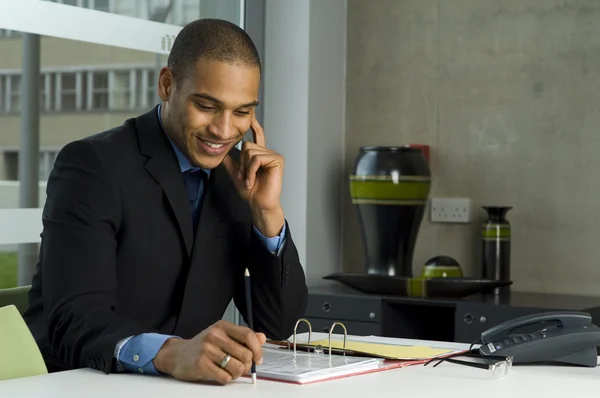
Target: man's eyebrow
219 102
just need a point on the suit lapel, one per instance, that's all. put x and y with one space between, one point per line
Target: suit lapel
162 165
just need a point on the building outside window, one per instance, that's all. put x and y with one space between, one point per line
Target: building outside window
11 163
87 89
122 89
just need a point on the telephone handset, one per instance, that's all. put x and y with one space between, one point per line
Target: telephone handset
562 336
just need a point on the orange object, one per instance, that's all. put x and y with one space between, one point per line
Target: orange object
424 148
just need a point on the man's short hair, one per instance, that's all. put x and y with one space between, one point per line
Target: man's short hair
213 39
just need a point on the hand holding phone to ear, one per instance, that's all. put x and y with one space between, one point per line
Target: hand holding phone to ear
258 178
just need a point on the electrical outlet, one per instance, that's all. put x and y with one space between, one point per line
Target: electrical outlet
451 210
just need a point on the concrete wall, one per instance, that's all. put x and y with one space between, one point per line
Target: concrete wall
507 93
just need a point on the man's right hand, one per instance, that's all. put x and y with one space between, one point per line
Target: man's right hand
199 358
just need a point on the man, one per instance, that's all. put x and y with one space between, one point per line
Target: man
149 227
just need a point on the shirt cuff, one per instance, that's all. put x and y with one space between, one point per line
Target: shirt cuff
117 352
137 353
275 243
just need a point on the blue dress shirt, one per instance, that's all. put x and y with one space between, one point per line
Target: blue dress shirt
136 353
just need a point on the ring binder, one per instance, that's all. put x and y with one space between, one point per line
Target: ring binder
345 335
347 358
296 327
318 347
406 353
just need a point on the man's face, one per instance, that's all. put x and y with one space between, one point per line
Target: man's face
207 113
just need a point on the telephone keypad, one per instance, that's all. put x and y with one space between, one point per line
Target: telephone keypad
516 340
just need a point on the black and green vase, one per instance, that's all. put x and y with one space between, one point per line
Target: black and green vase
390 188
496 241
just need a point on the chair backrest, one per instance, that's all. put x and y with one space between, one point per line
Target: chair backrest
19 353
17 296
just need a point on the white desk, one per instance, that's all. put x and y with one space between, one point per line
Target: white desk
448 381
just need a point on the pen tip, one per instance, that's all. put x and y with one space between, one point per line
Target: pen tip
254 378
246 273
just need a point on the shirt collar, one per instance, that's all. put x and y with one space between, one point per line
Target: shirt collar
184 163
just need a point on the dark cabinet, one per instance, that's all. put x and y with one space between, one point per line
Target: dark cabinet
458 320
338 307
470 320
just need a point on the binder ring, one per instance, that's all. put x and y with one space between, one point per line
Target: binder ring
331 332
296 327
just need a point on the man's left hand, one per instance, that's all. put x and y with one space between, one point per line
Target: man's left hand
258 178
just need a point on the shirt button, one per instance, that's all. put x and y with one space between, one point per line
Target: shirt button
136 357
140 370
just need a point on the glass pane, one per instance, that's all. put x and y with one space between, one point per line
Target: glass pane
175 12
99 98
100 5
84 87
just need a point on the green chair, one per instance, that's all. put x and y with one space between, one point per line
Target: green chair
19 353
16 296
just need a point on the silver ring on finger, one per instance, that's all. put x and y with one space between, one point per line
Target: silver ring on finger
225 361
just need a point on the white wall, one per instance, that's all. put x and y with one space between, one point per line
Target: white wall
304 80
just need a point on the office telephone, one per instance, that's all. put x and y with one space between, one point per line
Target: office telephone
556 337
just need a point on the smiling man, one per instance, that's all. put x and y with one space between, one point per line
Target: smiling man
149 226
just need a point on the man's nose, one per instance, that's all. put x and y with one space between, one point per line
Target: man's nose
221 126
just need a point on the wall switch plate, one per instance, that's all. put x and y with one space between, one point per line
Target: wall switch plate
451 210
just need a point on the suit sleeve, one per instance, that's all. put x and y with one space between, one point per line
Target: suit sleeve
279 292
81 220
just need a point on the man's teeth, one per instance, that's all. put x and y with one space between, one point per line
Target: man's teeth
215 146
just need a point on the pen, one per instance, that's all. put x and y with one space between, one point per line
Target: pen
249 316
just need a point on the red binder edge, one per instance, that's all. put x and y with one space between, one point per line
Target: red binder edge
388 364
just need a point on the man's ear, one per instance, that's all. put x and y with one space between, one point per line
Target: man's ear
165 83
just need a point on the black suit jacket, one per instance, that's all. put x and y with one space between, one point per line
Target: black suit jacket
118 255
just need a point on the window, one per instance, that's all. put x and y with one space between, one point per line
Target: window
14 96
99 97
146 88
151 89
2 92
67 95
190 11
99 5
94 89
11 164
129 8
47 88
46 163
121 91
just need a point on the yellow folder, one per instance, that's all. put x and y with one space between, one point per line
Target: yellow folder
387 351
